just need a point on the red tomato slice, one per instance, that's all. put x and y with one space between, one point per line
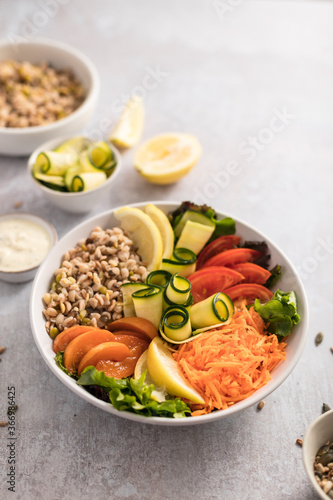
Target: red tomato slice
249 292
211 280
252 272
217 246
233 256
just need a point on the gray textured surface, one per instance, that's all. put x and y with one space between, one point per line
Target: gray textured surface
224 78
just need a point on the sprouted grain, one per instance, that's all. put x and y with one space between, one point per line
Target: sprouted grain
86 288
36 94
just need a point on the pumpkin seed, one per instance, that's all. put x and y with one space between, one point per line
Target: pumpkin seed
319 338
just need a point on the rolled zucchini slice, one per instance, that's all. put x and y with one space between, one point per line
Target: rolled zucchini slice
99 156
148 303
194 216
183 262
178 290
127 290
75 145
210 311
175 324
84 181
54 163
194 236
159 277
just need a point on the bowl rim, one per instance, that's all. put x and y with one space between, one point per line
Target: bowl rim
91 96
212 417
41 222
307 456
59 194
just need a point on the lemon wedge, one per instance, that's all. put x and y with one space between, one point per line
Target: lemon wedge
164 370
144 233
159 393
166 158
128 130
163 224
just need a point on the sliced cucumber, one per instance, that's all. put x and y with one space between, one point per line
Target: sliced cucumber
194 236
209 312
148 303
195 217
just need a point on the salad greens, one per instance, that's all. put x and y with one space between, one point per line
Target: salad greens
280 312
133 395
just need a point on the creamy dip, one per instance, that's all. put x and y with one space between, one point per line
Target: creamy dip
23 244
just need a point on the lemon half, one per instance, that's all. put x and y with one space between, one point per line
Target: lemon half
144 233
165 371
166 158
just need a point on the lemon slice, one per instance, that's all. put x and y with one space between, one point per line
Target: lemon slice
159 393
144 233
128 130
166 158
164 370
164 227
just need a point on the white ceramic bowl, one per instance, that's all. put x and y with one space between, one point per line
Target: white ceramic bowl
22 141
316 435
73 202
290 281
29 273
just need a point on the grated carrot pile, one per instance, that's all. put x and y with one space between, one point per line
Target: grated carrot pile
229 364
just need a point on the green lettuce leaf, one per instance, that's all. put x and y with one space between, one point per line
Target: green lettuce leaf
59 359
128 394
280 312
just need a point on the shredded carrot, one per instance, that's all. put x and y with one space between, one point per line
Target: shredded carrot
228 364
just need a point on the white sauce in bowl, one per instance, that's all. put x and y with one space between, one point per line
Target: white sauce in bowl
23 244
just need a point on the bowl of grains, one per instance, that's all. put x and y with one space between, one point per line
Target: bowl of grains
318 454
47 89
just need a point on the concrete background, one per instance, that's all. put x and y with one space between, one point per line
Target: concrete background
224 71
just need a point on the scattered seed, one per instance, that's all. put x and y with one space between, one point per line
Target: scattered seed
325 408
319 338
18 204
261 405
3 423
2 350
299 442
323 467
332 350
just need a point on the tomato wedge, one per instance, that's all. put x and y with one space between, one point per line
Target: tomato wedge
217 246
252 272
233 256
211 280
249 292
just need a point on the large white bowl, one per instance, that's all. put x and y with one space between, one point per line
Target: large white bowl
83 201
316 435
22 141
290 281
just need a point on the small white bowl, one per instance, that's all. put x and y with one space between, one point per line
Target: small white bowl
73 202
318 432
29 273
22 141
